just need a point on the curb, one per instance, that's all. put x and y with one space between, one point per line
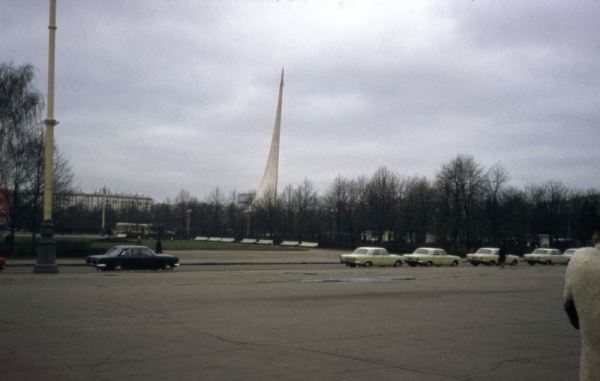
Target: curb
195 264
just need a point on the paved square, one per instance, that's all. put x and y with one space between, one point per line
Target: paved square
296 322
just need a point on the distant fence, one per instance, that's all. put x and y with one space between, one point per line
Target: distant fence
257 241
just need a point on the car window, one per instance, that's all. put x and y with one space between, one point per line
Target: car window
124 253
539 251
421 251
360 251
134 252
114 251
146 252
484 251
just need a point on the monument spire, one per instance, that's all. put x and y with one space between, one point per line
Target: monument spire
268 183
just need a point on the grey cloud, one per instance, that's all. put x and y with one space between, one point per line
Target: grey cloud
162 95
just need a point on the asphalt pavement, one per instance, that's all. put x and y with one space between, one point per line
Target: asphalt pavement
292 316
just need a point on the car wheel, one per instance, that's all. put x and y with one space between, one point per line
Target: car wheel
118 268
531 263
168 266
429 264
493 263
351 265
412 264
397 263
514 262
454 263
549 263
368 264
475 263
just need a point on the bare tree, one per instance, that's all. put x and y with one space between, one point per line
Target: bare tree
384 191
460 184
337 203
418 208
266 213
495 180
19 106
216 201
289 211
306 203
20 103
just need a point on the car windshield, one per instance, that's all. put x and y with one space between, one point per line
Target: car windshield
360 251
539 251
113 251
421 251
145 252
570 251
484 251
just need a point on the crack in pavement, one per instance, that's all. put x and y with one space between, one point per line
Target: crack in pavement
506 361
378 363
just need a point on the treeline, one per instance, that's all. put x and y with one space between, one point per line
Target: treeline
465 206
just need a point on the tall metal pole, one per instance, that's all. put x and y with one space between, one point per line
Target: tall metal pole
189 213
103 228
46 254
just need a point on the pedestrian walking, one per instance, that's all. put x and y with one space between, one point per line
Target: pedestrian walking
502 255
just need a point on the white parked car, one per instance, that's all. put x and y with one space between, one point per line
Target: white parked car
371 256
429 256
569 252
546 257
490 256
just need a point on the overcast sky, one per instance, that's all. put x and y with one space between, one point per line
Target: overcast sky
158 96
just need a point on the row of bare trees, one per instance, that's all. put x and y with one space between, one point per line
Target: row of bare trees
22 151
466 205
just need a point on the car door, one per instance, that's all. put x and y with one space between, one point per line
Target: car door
135 259
386 258
438 259
124 259
375 257
558 257
148 260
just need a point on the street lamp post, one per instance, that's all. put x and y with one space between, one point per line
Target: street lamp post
46 254
189 213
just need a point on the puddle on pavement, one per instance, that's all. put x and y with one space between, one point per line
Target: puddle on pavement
376 279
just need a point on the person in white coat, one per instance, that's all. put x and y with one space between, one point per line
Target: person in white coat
582 304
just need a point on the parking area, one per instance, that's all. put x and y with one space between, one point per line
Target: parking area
278 320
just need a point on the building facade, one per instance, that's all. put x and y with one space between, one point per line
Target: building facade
116 202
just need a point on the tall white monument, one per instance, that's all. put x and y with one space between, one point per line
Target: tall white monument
268 183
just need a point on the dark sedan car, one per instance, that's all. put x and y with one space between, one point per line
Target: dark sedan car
132 257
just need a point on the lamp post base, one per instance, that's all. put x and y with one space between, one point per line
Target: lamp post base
46 253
